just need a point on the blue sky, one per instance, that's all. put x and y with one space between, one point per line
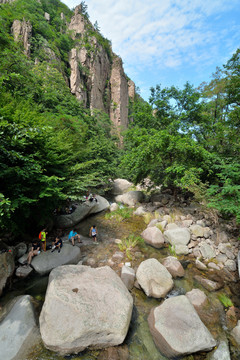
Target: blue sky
168 42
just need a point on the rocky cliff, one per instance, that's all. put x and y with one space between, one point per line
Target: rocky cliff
96 77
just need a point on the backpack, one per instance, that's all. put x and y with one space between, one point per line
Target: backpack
40 236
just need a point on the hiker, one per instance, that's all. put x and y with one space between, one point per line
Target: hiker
93 233
57 244
42 237
35 250
73 235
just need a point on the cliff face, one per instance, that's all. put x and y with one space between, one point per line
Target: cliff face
97 77
22 31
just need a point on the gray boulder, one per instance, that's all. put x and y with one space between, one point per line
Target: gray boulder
130 198
177 329
154 278
46 261
18 330
206 250
197 230
120 186
153 236
178 236
81 211
84 308
7 267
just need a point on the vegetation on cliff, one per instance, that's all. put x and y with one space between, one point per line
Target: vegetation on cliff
51 148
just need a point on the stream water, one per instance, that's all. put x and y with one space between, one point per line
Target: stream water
139 343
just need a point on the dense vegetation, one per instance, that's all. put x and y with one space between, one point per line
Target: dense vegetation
51 148
189 139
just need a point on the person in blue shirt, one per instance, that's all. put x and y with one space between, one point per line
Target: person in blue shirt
73 235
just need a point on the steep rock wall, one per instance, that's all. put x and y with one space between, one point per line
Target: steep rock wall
90 72
97 79
119 95
22 31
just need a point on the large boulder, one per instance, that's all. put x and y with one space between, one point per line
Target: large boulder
177 329
46 261
153 236
84 308
131 198
81 211
120 186
178 238
7 267
154 278
18 330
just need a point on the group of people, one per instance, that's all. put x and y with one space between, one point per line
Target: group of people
41 243
89 197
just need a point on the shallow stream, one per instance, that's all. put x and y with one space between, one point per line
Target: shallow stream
138 343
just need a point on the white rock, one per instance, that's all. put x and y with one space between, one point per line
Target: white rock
179 236
172 226
200 265
213 266
154 278
153 236
206 250
197 230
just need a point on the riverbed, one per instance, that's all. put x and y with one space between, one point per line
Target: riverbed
138 344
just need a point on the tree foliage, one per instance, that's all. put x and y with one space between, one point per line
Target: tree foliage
189 139
51 148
